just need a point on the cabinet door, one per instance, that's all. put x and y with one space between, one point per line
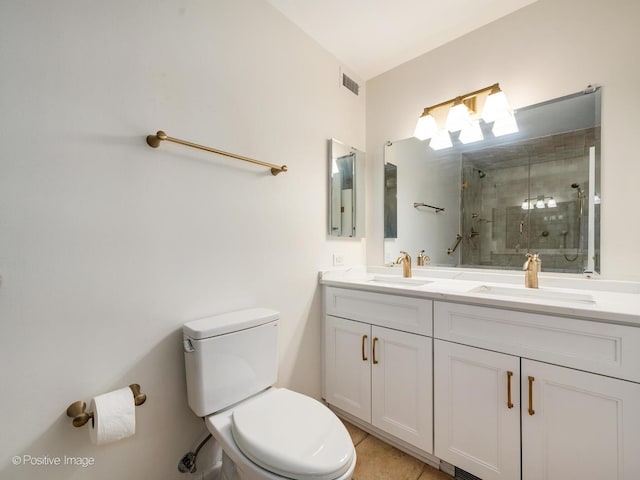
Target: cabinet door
347 366
578 425
476 416
401 377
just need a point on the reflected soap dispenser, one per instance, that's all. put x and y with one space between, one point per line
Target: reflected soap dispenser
531 268
422 258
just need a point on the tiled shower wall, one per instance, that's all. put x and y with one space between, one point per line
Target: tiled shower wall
498 232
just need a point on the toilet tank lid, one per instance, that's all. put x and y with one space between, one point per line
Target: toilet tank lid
229 322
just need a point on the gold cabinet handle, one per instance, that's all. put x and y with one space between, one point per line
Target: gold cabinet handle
364 355
531 410
375 340
509 403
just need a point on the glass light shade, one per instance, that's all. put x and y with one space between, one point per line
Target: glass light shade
458 117
471 133
505 126
527 205
441 140
552 203
425 128
540 203
496 107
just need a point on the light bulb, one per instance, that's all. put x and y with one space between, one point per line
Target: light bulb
441 140
505 126
496 107
471 133
458 117
426 127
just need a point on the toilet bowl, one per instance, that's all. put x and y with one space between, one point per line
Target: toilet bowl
266 433
280 434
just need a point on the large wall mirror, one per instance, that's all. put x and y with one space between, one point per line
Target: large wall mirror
346 190
488 203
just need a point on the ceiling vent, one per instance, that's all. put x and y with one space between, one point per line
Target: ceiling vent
350 84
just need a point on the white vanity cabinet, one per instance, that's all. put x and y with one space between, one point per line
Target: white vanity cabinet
378 362
578 425
477 410
347 366
562 391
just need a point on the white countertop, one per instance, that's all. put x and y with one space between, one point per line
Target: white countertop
588 298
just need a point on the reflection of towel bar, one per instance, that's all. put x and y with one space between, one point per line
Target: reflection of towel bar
77 409
437 209
453 249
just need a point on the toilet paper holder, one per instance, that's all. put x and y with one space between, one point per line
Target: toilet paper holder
77 409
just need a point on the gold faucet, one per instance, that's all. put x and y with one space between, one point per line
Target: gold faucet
405 260
531 268
422 258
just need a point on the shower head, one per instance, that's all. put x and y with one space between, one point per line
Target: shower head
579 187
580 194
481 174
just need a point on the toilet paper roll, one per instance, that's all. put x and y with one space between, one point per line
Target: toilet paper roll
114 416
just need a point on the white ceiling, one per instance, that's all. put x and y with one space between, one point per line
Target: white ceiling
373 36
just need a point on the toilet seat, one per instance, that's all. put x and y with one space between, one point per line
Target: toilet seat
292 435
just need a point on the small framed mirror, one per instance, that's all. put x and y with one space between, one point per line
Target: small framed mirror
346 190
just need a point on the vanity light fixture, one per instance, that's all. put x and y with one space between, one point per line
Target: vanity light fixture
426 127
541 201
458 117
496 105
462 116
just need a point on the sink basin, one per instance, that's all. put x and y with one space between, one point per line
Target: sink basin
533 293
395 280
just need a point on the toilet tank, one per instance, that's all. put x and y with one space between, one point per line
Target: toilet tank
230 357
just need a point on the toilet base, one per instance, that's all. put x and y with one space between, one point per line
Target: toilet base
229 470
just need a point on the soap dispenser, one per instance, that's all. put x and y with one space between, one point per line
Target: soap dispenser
531 268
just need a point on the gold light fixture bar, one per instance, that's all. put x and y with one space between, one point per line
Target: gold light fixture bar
463 98
155 140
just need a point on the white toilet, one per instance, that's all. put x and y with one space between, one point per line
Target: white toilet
266 433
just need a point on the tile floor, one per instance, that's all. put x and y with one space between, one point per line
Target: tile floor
379 461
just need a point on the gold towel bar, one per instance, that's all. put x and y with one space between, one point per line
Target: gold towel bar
154 141
77 409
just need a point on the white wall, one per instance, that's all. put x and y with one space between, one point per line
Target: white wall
417 183
548 49
107 246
